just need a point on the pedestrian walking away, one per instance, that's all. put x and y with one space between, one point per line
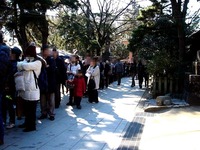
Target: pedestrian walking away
119 69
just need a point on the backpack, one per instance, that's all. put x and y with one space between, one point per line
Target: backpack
42 80
4 63
91 84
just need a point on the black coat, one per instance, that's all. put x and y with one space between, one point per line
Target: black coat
10 82
107 69
60 70
51 74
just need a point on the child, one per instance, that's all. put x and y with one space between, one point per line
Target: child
79 88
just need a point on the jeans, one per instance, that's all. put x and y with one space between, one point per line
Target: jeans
1 120
133 79
119 76
8 106
57 95
47 104
140 77
107 80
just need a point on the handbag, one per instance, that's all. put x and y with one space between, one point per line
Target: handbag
19 81
91 84
69 85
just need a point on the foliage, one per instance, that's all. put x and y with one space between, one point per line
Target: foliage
93 29
162 63
28 19
161 36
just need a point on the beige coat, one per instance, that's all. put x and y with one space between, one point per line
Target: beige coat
94 72
31 93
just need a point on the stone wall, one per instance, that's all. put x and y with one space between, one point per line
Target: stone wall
192 86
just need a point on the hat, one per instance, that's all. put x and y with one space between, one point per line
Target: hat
54 49
44 47
31 51
16 50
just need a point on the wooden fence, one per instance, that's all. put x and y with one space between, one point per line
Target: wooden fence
161 85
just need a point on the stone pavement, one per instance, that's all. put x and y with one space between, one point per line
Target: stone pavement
99 126
172 129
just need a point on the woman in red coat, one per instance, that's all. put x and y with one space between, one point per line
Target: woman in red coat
79 88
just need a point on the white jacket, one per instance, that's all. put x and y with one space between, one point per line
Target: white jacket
31 93
94 72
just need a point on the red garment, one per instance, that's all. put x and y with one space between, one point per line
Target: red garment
79 86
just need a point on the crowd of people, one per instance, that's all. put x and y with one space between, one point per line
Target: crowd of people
27 79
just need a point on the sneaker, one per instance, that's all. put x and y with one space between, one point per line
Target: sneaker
52 118
42 117
10 126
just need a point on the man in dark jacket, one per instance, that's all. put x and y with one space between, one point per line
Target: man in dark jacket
60 76
133 71
48 99
140 70
119 70
9 95
107 72
4 65
101 67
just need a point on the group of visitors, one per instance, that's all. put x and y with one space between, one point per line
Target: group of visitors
43 76
114 71
24 82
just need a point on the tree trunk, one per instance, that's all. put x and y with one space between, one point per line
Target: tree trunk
181 37
179 17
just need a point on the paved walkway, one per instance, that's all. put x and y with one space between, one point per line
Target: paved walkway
172 129
99 126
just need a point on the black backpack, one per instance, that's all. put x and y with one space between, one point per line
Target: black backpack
91 83
42 80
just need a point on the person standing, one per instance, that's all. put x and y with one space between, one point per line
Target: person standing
4 66
107 73
47 99
94 73
119 69
60 76
86 65
31 69
146 76
9 96
133 72
72 70
140 71
101 67
79 88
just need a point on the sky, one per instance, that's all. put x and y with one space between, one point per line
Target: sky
193 4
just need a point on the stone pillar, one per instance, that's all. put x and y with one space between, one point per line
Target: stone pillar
194 90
